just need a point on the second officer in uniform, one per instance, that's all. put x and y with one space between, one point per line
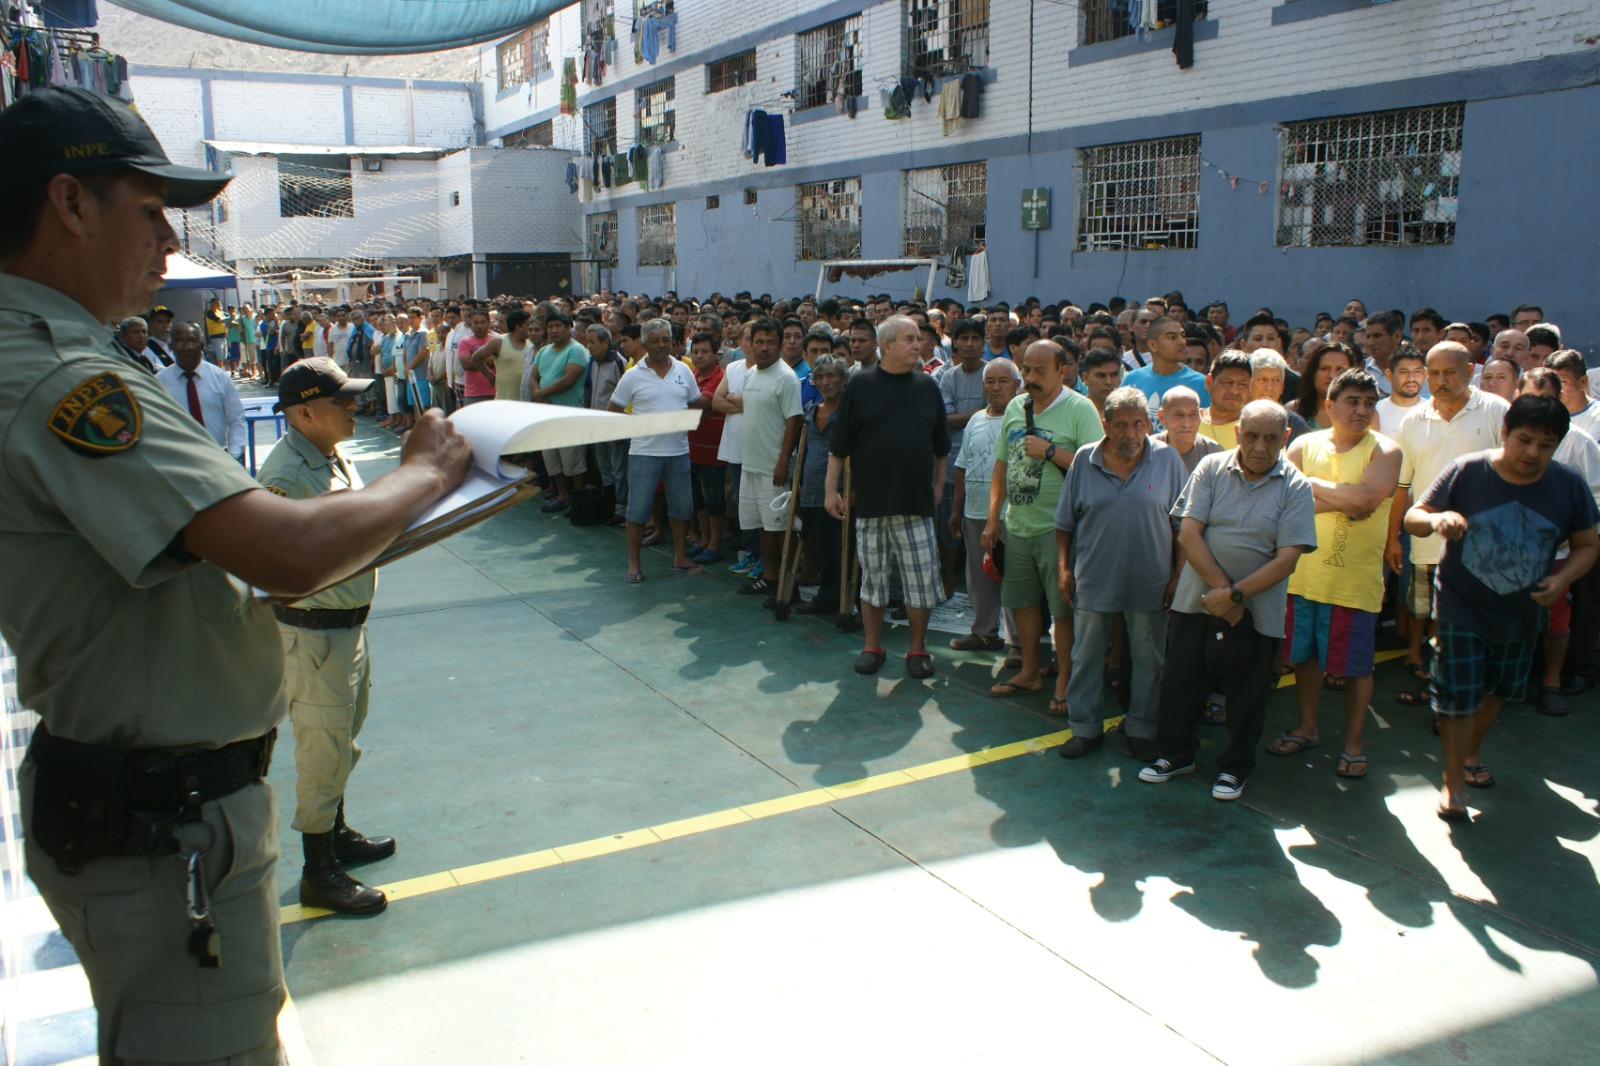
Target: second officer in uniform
327 669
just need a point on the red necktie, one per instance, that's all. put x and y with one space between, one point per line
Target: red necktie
194 399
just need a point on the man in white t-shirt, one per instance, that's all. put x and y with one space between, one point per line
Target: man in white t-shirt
1408 373
969 507
1585 412
771 407
660 383
335 343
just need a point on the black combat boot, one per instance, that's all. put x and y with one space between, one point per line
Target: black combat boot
352 848
324 883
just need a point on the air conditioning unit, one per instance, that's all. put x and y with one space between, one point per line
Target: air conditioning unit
372 164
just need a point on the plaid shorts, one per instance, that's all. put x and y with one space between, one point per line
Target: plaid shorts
911 542
1468 666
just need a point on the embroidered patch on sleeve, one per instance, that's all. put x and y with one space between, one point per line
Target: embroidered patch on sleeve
276 491
98 417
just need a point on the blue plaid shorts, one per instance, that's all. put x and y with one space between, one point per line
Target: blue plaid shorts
1468 666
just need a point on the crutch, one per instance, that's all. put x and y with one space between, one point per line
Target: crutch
848 572
789 570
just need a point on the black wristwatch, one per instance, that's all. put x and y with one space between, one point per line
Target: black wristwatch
1050 454
1234 594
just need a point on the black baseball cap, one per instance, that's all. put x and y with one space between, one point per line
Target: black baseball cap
312 379
74 131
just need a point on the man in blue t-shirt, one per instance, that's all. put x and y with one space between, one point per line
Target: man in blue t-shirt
1166 368
1503 513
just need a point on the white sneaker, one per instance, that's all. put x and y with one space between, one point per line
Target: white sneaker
1162 770
1227 787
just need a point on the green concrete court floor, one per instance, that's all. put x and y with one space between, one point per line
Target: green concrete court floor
1023 910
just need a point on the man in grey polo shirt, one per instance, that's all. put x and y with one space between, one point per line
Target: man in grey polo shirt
1247 516
1115 509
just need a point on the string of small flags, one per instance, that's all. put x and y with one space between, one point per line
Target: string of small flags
1233 180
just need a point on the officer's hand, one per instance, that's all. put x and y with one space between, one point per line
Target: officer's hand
434 441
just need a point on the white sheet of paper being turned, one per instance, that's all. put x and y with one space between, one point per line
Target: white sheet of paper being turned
497 428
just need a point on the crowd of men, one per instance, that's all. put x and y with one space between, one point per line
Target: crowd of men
1120 487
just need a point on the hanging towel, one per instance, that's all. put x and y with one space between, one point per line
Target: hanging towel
950 105
758 135
971 89
777 151
978 277
657 169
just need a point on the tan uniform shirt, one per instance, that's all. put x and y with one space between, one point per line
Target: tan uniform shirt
122 639
298 470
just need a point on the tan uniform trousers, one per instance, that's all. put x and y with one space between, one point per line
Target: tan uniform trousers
127 920
328 677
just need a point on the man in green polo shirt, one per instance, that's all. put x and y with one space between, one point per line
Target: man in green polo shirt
1042 429
328 672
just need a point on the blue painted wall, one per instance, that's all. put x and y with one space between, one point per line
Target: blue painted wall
1528 228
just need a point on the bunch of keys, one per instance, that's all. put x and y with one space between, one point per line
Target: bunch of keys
205 943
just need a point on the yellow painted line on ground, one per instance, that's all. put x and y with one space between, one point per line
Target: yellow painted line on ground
638 838
497 869
292 1036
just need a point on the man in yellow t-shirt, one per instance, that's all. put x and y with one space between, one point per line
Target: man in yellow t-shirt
1229 386
1336 592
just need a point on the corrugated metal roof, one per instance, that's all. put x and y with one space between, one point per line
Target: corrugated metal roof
273 148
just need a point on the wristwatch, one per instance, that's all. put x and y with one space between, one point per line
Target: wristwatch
1050 454
1234 594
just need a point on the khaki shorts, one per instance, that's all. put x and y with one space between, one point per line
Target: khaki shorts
568 461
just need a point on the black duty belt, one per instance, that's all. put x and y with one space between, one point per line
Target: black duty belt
314 618
91 801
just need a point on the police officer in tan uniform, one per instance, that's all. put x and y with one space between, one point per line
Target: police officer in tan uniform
325 643
131 543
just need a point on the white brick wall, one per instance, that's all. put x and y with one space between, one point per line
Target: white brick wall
271 111
172 108
1249 60
380 116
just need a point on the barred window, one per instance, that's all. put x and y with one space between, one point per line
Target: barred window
538 135
315 186
1387 178
658 236
600 127
600 237
654 113
1107 20
828 219
830 60
732 72
1141 194
943 210
511 61
539 50
946 36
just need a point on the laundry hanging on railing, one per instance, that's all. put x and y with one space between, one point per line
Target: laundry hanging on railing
654 20
764 137
34 57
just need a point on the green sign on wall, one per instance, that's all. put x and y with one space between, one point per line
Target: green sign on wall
1035 208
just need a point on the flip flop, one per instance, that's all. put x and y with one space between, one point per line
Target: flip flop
633 577
1485 779
1333 683
1420 671
1214 714
1296 744
648 541
1057 708
1351 766
1449 812
1006 688
692 568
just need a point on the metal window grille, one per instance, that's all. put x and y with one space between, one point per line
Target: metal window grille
1386 178
946 36
750 196
656 118
1106 20
658 236
1142 194
600 237
943 210
538 135
539 50
511 61
828 219
600 127
713 202
732 72
315 186
830 60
